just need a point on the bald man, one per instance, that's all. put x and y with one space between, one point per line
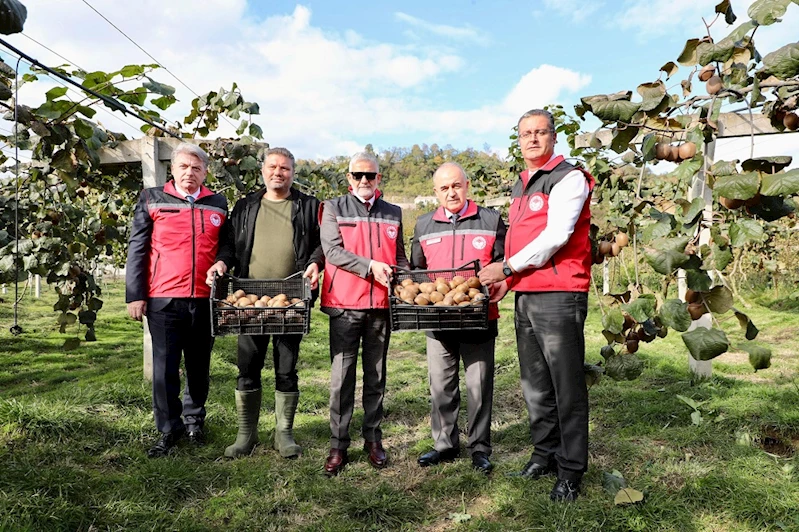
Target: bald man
456 233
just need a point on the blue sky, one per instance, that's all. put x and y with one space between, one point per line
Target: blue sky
331 77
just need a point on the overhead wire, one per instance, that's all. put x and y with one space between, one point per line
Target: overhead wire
148 54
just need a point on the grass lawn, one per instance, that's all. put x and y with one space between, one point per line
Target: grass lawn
74 427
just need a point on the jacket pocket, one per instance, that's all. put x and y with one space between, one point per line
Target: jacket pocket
155 269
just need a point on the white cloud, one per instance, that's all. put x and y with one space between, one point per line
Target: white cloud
655 18
578 10
320 92
466 33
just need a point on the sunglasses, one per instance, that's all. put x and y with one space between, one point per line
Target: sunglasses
370 176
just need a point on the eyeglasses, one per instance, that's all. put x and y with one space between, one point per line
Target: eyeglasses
538 133
370 176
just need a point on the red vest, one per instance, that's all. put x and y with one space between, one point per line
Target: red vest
438 244
569 269
369 233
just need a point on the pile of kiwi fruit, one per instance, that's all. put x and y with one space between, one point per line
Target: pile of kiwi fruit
456 292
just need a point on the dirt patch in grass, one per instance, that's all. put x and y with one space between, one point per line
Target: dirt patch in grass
778 444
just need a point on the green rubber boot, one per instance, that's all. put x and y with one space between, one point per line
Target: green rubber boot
285 408
248 408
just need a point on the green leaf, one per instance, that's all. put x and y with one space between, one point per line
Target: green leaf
87 317
90 335
136 96
459 517
248 163
687 400
163 102
88 112
747 325
719 300
255 131
691 211
738 186
781 184
772 208
640 309
130 71
615 110
759 356
628 496
688 168
622 138
648 146
158 88
720 168
613 482
767 165
626 367
705 344
83 129
666 255
716 257
744 231
613 321
696 417
242 127
674 314
67 318
782 63
95 304
250 108
708 52
607 351
593 373
55 93
688 55
698 280
766 12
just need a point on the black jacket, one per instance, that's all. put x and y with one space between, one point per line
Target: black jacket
304 218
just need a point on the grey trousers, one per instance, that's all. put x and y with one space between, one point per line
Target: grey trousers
443 365
346 333
551 342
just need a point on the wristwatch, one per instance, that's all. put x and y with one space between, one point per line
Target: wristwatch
506 271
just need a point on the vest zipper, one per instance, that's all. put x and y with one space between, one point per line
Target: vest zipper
193 250
155 268
554 269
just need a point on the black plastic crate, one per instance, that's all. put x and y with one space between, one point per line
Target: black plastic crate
407 317
226 318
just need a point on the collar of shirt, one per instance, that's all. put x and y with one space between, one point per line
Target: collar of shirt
186 194
459 213
369 203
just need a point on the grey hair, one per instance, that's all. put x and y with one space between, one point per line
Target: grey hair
191 149
451 164
538 112
280 151
364 156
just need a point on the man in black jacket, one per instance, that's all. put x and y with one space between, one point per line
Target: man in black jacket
276 234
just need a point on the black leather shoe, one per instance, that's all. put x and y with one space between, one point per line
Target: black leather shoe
196 437
436 457
534 471
165 443
481 462
565 490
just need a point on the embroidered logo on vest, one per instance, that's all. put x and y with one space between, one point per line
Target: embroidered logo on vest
216 219
536 203
479 242
391 231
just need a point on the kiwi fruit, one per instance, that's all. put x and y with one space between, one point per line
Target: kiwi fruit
687 150
713 85
662 150
696 310
731 204
791 121
605 248
707 72
622 239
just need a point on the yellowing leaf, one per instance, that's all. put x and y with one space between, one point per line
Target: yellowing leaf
628 496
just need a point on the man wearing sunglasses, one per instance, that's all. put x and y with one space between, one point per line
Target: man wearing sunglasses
548 265
361 238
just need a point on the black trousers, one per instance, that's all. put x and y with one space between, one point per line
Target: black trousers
252 355
551 342
180 327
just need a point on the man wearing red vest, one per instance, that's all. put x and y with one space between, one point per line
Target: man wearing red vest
173 242
548 265
361 237
458 232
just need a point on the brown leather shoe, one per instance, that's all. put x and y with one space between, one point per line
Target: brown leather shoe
377 456
335 462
